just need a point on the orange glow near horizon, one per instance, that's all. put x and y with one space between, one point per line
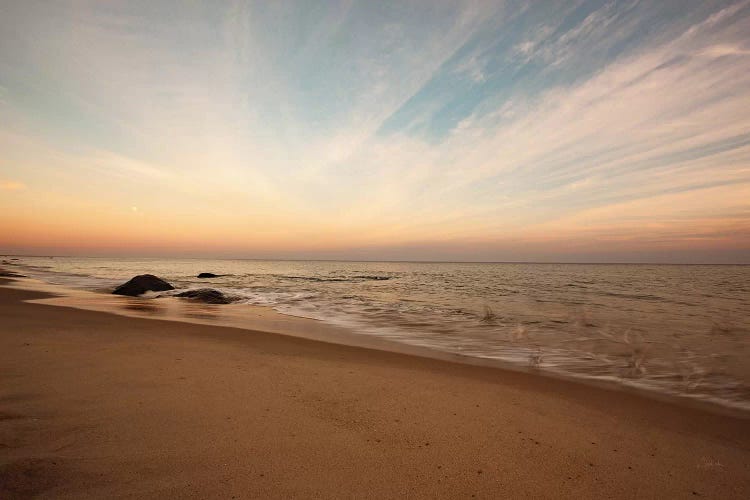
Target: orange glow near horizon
87 229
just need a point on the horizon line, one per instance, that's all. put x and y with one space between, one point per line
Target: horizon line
637 263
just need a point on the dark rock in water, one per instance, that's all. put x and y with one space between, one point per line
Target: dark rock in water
142 284
208 275
207 295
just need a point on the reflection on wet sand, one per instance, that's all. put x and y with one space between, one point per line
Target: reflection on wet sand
180 308
198 310
147 306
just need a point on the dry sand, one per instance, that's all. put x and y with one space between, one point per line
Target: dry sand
98 405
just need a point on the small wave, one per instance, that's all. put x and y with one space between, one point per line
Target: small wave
313 278
350 279
644 296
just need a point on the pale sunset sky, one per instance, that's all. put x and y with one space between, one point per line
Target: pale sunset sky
428 130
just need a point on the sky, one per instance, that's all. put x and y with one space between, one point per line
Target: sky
597 131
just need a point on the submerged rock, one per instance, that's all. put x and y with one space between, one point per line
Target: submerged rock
206 295
208 275
142 284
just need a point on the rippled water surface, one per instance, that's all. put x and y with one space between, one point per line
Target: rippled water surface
670 328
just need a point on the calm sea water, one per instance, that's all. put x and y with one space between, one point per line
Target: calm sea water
675 329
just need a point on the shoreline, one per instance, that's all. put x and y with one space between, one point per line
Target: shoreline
97 405
265 318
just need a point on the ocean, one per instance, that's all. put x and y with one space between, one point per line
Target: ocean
681 330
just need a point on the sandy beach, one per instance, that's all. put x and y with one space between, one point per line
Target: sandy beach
97 405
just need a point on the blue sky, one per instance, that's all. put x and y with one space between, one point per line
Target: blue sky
419 130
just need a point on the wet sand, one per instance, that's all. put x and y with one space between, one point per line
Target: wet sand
97 405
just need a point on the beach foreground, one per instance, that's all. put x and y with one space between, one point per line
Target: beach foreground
99 405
